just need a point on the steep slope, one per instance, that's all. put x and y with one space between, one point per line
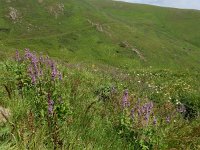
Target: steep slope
113 33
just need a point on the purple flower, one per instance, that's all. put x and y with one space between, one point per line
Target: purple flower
143 109
30 70
147 117
32 75
53 70
50 105
33 79
139 112
125 102
53 74
28 54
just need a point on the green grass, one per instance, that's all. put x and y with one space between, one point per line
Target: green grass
94 60
168 38
94 113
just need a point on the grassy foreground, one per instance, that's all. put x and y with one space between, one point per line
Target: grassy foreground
55 105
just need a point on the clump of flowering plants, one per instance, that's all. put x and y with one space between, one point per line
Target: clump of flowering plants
40 82
41 78
144 124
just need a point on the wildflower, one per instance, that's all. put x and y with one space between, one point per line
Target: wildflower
147 117
34 62
50 105
143 109
27 54
53 70
125 102
30 70
139 112
33 79
53 74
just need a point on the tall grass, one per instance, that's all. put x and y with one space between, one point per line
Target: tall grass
57 106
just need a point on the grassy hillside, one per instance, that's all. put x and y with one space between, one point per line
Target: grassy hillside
98 74
95 32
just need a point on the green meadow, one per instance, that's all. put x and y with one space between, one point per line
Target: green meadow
98 74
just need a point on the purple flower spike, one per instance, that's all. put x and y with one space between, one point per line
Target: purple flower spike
147 117
50 106
139 112
125 102
53 70
30 71
33 79
53 74
28 54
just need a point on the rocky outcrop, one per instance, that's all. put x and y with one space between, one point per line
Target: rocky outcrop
56 9
125 44
14 14
100 27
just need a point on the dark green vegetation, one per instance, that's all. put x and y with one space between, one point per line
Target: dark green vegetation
101 48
